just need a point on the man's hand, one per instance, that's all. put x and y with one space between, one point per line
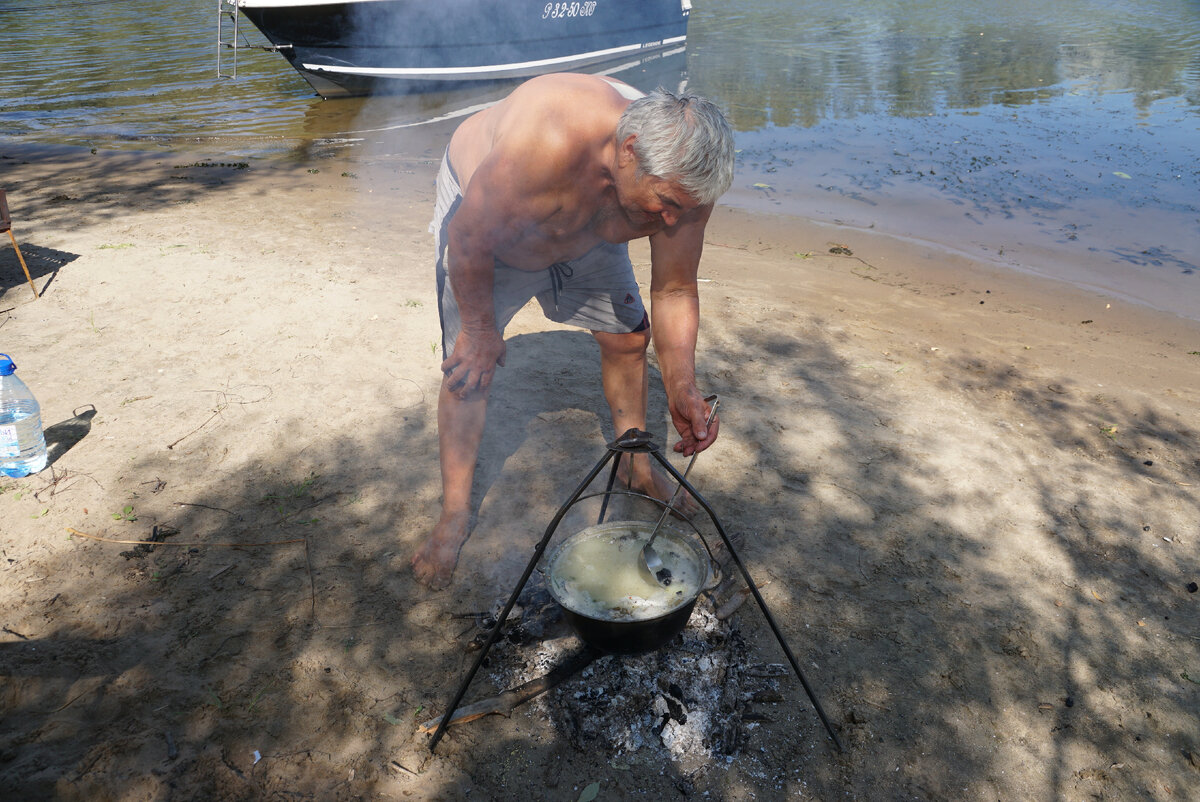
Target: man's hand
688 412
471 367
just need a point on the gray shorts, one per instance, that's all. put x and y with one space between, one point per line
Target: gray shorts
597 291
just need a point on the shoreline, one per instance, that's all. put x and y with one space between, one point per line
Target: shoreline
740 203
1008 246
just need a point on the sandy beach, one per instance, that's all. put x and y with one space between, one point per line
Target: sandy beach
970 497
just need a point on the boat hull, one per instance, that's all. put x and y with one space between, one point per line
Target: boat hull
373 46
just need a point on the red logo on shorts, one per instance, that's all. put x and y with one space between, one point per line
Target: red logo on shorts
628 299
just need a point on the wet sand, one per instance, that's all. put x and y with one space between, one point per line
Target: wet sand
972 491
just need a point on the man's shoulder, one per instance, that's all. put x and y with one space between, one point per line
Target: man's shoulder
561 119
560 80
575 92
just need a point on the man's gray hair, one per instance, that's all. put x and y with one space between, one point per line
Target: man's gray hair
682 138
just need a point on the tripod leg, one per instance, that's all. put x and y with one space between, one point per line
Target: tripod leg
612 480
762 604
512 600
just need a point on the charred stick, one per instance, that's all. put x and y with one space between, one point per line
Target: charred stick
509 700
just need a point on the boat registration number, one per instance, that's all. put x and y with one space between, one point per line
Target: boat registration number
563 10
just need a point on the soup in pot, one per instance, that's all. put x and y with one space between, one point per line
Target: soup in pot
598 573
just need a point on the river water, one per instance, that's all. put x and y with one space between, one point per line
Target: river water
1059 138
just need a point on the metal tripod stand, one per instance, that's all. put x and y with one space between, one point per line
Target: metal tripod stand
631 442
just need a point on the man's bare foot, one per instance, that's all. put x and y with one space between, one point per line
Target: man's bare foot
651 479
434 562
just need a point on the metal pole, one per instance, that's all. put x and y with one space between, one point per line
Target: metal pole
512 600
762 604
612 481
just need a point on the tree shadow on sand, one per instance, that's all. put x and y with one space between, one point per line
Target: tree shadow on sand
277 645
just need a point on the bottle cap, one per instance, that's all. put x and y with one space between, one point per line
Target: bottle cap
7 368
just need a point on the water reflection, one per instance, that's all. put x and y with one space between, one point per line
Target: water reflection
1054 137
775 62
769 62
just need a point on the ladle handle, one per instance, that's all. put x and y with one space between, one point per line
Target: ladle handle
713 400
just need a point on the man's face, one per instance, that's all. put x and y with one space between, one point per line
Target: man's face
648 203
652 203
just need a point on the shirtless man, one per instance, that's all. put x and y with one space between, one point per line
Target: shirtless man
537 197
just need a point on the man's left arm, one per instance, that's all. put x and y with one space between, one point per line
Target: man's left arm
675 322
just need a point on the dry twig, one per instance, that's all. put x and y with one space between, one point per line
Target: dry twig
193 545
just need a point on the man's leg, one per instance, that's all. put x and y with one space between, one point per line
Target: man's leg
625 373
460 431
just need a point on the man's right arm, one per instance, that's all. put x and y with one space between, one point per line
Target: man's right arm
471 269
501 202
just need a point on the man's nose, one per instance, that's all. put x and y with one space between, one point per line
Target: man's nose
669 217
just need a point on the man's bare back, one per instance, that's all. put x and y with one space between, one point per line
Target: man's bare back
563 204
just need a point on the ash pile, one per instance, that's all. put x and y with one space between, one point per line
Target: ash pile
694 701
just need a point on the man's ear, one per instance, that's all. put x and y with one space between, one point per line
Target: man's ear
625 152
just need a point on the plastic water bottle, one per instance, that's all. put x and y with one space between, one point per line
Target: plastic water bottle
22 442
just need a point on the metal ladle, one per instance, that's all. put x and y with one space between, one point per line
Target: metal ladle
649 557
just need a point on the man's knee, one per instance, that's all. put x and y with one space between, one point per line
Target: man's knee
632 344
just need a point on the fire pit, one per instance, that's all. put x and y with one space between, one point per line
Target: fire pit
690 706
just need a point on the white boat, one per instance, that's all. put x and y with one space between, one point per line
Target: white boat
357 47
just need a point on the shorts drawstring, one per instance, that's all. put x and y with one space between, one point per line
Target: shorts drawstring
558 272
